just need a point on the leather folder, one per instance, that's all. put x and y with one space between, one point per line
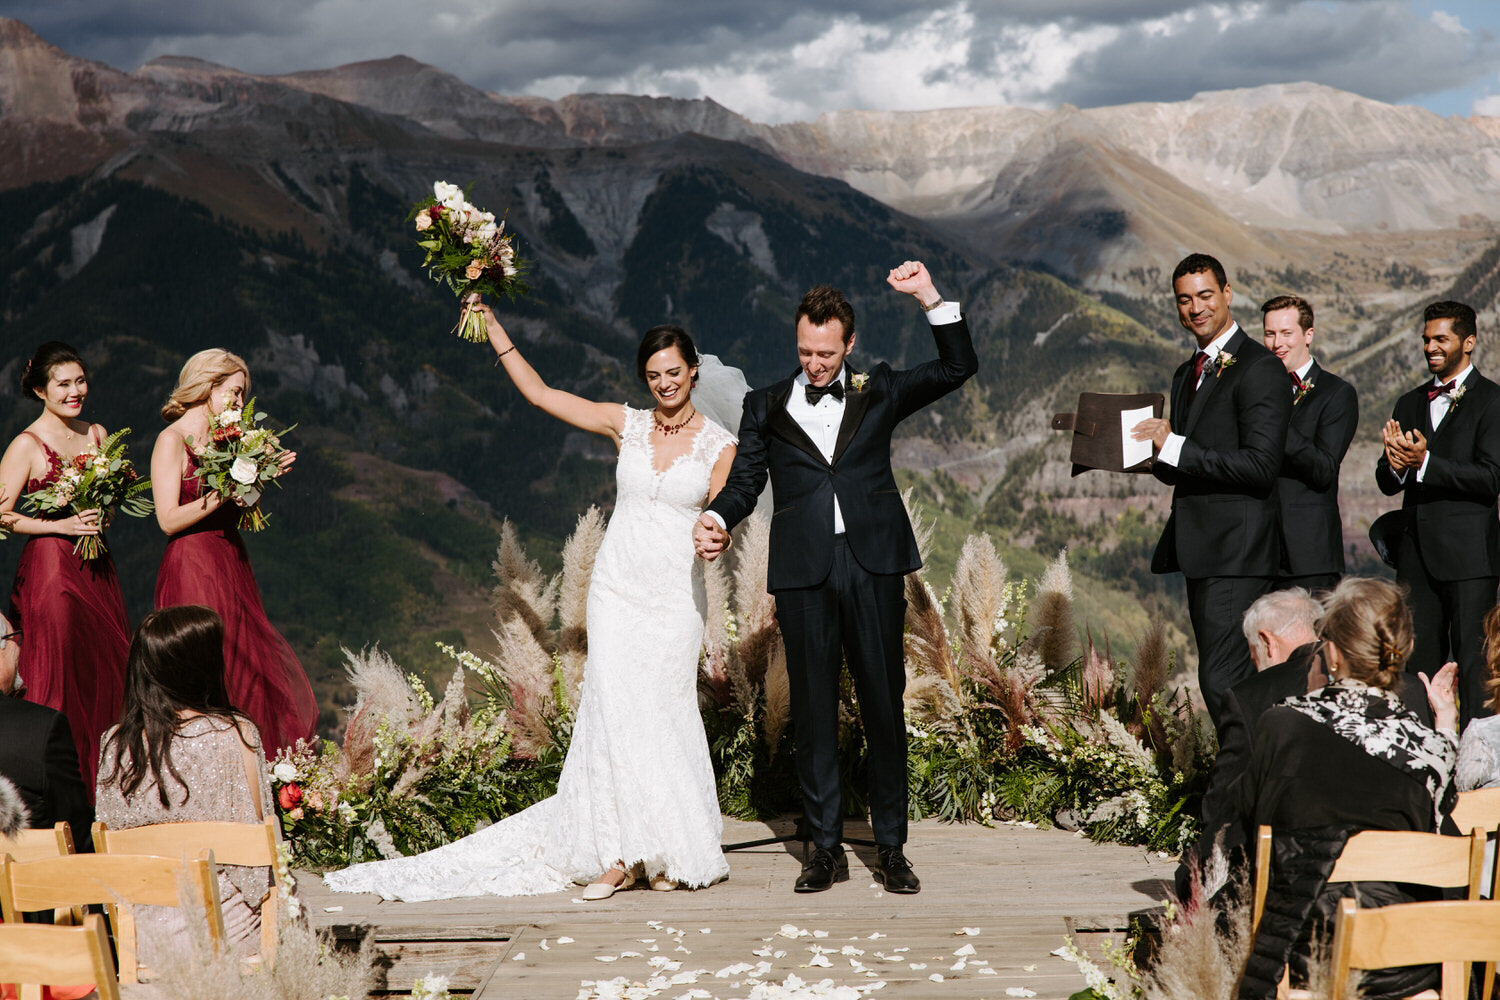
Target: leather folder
1097 439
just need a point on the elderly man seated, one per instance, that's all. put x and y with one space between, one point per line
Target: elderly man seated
37 752
1281 629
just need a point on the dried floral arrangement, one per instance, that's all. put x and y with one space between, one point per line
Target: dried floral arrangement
1011 714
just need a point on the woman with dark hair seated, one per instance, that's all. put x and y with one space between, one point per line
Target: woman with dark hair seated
1345 758
182 754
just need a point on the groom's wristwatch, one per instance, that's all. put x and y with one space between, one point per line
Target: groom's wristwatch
929 308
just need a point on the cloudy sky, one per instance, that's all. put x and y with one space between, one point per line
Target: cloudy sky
783 60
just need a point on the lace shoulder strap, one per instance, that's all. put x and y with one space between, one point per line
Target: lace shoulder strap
637 424
713 439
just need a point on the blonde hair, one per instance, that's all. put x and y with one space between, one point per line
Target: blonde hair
202 372
1370 624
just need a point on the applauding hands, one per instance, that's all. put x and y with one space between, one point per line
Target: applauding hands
1403 449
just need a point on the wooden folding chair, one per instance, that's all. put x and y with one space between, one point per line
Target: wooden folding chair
1451 933
34 845
1481 808
1429 859
36 955
119 882
252 844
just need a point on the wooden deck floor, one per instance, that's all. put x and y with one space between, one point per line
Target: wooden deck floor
1019 890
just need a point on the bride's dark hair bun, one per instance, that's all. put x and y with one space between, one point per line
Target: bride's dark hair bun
659 338
47 357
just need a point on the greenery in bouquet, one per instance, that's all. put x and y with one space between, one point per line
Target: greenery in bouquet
468 250
100 478
239 459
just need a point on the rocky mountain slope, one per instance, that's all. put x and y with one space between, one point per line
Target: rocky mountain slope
151 213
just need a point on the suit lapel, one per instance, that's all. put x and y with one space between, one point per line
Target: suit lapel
1307 404
855 405
1211 376
781 422
1179 386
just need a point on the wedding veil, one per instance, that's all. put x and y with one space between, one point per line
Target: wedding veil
720 396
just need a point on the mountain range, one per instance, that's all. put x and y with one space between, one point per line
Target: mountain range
147 214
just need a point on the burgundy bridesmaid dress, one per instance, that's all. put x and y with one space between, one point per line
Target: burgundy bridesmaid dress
75 638
207 564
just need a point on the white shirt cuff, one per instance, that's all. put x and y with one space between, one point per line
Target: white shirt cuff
1422 469
942 315
1171 450
717 519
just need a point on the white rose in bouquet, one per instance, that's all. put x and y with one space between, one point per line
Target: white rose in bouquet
227 417
243 470
284 771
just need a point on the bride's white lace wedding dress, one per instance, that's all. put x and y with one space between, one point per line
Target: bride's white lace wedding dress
637 784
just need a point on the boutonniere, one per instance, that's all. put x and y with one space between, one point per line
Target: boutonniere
1222 361
859 380
1302 390
1456 395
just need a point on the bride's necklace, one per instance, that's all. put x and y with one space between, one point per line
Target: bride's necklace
670 429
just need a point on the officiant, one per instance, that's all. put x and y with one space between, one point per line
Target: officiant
1220 450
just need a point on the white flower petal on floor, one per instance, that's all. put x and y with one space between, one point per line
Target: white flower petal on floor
967 949
1019 991
821 961
987 971
967 931
936 977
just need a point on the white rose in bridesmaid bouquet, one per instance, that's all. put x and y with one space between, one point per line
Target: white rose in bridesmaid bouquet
243 470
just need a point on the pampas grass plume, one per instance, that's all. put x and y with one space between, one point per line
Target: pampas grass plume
523 591
1053 624
778 697
1148 675
579 552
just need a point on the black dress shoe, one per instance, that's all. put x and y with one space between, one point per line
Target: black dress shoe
823 868
894 871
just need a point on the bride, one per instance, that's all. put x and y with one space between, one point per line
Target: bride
636 801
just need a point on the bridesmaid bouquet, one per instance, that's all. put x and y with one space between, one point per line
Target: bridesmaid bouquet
467 250
239 459
101 478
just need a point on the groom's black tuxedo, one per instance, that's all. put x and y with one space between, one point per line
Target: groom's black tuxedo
1224 534
1449 552
1322 425
842 596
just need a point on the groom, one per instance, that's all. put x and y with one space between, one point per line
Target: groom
841 545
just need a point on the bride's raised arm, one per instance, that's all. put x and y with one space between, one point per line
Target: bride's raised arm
585 414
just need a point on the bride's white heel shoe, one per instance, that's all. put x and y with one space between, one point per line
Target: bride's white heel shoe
603 890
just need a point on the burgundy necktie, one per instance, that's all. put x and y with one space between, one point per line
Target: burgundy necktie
1434 391
1191 389
1297 382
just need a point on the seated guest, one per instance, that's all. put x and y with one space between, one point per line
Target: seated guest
1280 629
37 752
1479 750
182 754
1345 758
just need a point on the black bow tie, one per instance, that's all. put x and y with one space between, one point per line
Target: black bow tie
817 392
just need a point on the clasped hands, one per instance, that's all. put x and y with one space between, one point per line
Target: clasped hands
709 540
1403 449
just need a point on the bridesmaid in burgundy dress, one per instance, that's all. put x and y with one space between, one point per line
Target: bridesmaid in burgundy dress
206 562
69 609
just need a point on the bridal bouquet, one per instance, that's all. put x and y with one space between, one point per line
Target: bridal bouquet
467 250
99 478
239 459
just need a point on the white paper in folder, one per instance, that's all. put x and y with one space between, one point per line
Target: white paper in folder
1134 452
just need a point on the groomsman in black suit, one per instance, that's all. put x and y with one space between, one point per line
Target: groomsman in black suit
1442 452
841 546
1221 452
1325 413
37 752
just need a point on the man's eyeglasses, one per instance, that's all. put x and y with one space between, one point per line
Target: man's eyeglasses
10 637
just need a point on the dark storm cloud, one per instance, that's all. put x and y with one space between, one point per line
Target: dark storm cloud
1381 50
800 57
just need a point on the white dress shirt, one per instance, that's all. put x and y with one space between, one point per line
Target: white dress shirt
1171 449
821 421
1302 372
